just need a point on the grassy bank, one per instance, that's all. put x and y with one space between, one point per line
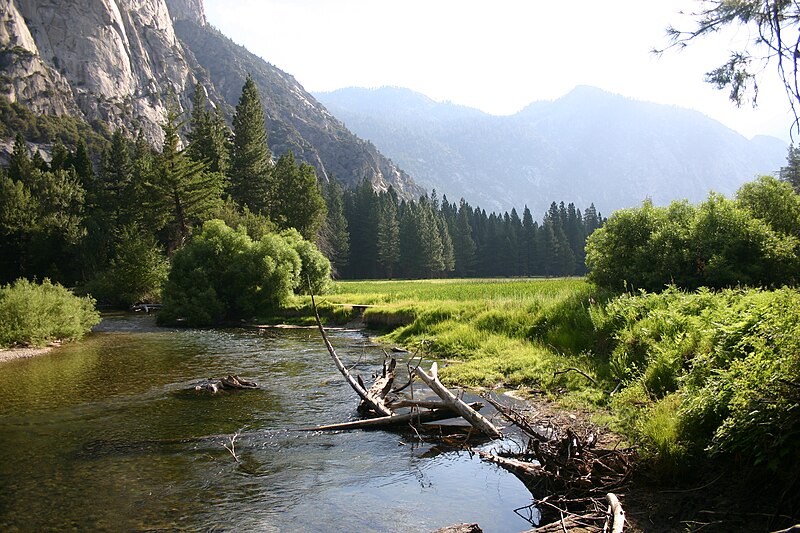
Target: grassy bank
694 374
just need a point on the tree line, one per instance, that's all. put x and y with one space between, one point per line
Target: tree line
375 234
109 222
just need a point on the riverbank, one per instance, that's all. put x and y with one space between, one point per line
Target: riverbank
10 354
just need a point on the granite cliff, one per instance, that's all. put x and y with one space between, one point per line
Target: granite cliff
121 61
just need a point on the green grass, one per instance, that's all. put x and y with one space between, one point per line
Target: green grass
695 374
514 332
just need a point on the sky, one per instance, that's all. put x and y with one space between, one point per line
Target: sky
500 55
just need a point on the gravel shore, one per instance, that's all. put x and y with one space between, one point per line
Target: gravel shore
9 354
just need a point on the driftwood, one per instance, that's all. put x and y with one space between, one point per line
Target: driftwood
460 528
370 400
477 421
227 383
419 417
616 513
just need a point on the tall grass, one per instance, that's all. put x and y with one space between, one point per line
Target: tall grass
516 332
695 373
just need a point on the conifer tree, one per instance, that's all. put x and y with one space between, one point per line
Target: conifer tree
463 245
251 160
19 164
791 172
388 235
298 201
185 193
336 237
209 136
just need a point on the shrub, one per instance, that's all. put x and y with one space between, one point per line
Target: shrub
723 367
720 243
34 314
136 273
224 275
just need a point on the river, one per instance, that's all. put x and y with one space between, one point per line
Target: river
106 434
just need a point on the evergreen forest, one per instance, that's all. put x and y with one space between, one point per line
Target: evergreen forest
106 212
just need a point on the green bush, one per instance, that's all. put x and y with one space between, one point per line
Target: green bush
720 243
136 273
34 314
727 363
224 275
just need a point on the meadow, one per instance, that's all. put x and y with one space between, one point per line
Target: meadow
686 375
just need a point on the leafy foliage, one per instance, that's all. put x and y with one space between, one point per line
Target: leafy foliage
224 275
33 314
725 363
770 25
135 274
720 243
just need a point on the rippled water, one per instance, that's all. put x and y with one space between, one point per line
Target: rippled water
107 434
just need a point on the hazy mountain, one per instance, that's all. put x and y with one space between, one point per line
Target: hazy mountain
589 146
120 61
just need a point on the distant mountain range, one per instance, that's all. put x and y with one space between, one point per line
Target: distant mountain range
120 62
588 146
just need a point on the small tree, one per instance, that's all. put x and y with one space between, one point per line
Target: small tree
224 275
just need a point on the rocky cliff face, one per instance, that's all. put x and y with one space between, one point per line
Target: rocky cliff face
122 61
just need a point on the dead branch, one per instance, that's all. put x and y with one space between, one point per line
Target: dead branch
394 420
579 371
473 417
376 404
616 513
232 447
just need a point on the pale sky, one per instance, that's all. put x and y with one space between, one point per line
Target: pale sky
498 55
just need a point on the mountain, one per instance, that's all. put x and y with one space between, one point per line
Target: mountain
120 62
588 146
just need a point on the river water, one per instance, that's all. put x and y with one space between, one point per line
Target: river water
107 435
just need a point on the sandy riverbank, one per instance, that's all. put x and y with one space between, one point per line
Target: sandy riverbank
9 354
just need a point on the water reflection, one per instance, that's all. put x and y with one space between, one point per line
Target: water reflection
108 435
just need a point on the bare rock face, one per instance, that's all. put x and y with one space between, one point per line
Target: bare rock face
121 59
122 62
26 78
187 10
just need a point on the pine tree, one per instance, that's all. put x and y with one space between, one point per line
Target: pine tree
448 253
791 172
298 201
336 236
61 156
251 160
19 164
527 243
209 136
184 191
463 245
388 231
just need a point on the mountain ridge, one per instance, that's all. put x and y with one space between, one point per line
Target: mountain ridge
589 146
121 61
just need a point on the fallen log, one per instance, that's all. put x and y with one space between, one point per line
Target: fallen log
227 383
616 513
423 404
477 421
394 420
375 403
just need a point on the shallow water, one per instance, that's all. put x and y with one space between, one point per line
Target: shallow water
107 434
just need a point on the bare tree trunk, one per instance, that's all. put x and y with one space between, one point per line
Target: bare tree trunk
375 403
394 420
478 421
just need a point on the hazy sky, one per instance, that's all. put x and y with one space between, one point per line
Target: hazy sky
498 55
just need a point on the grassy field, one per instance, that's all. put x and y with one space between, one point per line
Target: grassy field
509 332
683 374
